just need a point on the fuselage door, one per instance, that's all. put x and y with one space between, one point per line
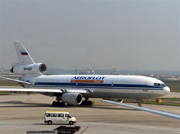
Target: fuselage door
145 88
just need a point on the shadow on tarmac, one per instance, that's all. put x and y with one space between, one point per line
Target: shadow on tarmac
22 104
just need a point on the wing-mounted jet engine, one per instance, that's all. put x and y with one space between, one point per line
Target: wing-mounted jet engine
73 99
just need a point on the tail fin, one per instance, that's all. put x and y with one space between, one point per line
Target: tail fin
23 55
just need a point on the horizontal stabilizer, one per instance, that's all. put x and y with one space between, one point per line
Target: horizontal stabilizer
172 115
19 81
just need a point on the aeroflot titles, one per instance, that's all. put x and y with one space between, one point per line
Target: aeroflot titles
87 78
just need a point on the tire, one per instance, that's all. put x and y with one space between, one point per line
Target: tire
49 122
54 103
71 123
87 103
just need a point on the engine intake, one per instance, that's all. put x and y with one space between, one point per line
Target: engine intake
31 69
73 99
42 68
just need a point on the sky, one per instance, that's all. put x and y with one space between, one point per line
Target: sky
97 34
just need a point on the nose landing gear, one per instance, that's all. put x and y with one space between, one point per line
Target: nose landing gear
139 102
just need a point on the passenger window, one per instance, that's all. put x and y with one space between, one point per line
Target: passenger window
47 114
53 115
60 115
67 115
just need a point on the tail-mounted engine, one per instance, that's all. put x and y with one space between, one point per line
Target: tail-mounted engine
30 69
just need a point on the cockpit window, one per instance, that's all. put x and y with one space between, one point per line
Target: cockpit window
156 84
159 85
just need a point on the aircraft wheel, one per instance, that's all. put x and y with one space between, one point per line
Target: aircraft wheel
87 103
54 103
49 122
58 103
71 123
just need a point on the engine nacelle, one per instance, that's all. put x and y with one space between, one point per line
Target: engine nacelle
72 98
30 69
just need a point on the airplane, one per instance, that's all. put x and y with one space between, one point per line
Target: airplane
76 90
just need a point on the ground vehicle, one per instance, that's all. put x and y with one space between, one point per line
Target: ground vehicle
59 117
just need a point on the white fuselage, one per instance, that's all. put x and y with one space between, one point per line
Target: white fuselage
104 86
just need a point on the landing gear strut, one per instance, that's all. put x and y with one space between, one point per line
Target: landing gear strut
139 102
87 102
58 102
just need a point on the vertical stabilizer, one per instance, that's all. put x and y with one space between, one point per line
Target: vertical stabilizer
23 55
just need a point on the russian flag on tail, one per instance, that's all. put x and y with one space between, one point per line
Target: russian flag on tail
24 53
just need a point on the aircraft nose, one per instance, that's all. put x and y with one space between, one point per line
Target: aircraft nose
166 90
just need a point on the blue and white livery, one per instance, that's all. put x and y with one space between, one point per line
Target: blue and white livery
71 89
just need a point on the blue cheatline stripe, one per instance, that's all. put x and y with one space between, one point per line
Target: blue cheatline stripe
92 85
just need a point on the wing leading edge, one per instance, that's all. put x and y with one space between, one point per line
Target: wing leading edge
31 90
38 90
172 115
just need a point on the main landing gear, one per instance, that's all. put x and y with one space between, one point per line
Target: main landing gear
58 102
86 102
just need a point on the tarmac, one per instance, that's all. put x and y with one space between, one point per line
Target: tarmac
20 113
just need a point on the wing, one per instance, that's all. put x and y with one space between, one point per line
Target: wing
172 115
38 90
31 90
